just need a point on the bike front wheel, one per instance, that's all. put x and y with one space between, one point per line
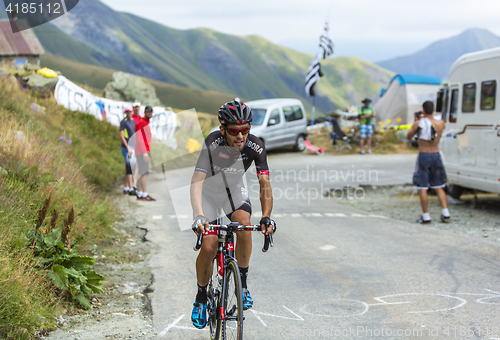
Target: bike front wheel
214 298
232 324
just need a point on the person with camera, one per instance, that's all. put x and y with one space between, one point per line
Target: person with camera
429 171
365 125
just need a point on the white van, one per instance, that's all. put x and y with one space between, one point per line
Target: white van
470 145
279 122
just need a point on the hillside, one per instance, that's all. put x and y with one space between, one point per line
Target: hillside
97 77
249 67
437 58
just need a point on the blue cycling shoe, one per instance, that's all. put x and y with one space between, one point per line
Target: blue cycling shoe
247 299
199 315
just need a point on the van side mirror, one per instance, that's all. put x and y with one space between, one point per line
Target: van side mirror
271 122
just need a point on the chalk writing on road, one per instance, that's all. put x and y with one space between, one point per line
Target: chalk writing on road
415 303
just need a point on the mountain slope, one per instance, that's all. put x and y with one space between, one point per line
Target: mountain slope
172 95
437 58
249 67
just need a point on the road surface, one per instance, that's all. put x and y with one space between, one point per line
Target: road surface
335 272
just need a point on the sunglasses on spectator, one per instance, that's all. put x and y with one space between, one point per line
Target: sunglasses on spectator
234 131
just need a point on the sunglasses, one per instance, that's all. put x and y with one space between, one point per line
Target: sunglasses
234 131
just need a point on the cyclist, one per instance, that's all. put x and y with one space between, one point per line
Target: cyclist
217 182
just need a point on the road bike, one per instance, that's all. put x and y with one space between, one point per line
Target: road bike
224 291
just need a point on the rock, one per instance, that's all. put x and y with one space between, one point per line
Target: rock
43 87
127 87
125 292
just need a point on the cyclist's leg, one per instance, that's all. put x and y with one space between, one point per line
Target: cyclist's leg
204 263
243 249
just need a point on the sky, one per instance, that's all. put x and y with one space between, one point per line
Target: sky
373 30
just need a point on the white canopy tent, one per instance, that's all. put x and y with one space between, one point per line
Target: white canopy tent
404 96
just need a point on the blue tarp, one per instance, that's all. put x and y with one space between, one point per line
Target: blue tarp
416 79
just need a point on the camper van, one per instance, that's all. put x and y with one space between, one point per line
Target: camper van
470 145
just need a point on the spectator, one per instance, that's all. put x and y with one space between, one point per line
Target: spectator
137 112
365 125
429 169
127 130
143 140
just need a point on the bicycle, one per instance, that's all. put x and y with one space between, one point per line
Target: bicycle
224 292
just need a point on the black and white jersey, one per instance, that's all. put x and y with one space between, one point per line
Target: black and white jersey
217 158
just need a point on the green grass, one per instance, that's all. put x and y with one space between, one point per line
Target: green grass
35 164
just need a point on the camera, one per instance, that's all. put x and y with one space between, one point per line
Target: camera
417 114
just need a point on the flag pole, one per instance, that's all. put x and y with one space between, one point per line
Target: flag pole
313 109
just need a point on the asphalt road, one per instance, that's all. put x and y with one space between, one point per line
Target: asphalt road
335 271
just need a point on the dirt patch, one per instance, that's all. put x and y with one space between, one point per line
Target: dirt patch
402 203
123 311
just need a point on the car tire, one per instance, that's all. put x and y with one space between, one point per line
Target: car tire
455 191
299 143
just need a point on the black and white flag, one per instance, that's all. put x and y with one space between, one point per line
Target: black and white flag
314 72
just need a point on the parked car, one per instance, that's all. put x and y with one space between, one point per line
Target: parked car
470 145
279 122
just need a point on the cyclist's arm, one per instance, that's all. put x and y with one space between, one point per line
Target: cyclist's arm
195 190
266 197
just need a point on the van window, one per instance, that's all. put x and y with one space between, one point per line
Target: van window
453 106
469 98
488 94
258 116
292 113
275 115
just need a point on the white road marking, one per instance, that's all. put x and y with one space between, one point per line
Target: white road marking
288 309
378 216
357 215
327 247
316 215
340 215
462 301
295 215
297 318
176 321
157 217
258 317
365 305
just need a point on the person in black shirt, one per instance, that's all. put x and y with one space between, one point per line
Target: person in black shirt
218 183
127 130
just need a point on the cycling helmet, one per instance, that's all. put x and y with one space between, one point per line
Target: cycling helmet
235 112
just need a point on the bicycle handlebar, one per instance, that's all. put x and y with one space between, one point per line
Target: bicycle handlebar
268 240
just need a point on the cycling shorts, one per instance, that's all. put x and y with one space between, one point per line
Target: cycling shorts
236 199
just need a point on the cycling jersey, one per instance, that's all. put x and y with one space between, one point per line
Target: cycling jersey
217 158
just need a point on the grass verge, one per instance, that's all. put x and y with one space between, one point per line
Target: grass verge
46 150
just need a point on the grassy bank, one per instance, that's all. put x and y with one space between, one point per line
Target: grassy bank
48 151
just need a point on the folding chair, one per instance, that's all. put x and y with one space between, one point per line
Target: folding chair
313 148
340 139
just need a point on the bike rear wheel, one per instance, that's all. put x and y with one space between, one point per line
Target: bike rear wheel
214 300
232 324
